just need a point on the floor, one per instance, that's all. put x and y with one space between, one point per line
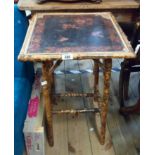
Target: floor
76 135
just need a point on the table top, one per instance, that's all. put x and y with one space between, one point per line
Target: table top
55 6
79 35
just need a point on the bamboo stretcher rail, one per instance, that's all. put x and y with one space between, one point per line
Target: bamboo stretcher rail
76 111
75 95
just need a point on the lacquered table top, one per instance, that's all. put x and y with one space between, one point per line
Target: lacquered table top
83 35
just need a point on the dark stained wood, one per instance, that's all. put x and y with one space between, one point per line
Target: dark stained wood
129 128
127 67
131 109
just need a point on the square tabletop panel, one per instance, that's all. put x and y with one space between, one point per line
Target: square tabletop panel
82 35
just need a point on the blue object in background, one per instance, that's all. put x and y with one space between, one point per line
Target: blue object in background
23 79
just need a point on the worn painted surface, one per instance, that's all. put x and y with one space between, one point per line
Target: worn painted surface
82 35
70 33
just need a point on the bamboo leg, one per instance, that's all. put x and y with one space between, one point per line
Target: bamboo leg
104 104
96 79
46 84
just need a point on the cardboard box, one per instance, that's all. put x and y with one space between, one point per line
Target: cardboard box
33 126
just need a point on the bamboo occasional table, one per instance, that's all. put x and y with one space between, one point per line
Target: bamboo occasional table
54 37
